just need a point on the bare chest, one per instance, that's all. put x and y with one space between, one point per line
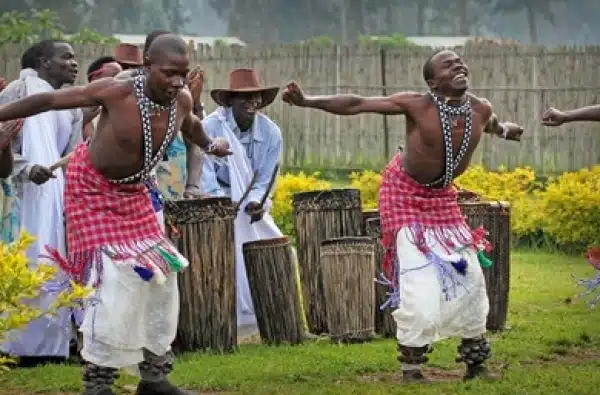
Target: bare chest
132 133
463 131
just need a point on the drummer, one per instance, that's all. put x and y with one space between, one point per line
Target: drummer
256 143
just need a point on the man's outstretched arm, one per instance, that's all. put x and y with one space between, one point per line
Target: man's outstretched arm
62 99
554 117
349 104
505 130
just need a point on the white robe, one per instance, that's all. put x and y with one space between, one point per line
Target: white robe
45 138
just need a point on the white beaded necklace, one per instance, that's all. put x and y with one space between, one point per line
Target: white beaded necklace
146 106
448 115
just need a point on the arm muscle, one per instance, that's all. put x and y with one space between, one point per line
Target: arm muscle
61 99
396 104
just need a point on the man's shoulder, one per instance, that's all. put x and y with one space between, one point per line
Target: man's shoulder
481 105
10 91
268 124
211 123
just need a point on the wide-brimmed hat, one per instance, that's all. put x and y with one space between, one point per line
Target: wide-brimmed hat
244 81
128 54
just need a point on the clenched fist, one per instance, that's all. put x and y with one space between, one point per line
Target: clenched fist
293 95
553 117
219 147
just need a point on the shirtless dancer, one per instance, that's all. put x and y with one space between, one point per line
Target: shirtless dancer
431 253
115 243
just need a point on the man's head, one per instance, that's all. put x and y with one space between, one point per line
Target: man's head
29 58
446 74
244 106
105 66
151 37
56 62
245 96
167 67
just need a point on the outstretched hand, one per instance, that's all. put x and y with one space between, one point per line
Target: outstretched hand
513 131
553 117
196 83
293 95
8 130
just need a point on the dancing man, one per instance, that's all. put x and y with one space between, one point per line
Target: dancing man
115 242
431 253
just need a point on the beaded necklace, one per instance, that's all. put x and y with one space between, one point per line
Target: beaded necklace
448 116
146 106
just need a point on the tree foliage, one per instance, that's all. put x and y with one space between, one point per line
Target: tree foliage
35 25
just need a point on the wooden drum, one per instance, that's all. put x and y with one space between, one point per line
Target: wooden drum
274 289
321 215
385 325
366 216
348 264
204 235
495 218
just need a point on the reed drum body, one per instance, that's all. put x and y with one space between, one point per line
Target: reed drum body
495 218
348 264
320 215
385 326
203 231
274 289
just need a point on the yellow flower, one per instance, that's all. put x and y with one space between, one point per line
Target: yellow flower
20 282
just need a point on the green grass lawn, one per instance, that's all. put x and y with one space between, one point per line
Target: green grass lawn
552 346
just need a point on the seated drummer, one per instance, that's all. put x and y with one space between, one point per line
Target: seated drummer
256 143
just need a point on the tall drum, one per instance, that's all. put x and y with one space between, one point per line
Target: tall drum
384 322
271 272
321 215
348 264
202 230
495 218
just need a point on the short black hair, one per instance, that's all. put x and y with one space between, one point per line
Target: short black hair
29 57
151 37
98 63
428 66
166 44
45 49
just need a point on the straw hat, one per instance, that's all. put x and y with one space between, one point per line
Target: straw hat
128 55
244 81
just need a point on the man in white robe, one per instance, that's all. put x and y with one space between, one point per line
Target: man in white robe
46 138
256 143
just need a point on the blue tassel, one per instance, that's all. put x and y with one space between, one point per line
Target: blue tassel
144 273
461 266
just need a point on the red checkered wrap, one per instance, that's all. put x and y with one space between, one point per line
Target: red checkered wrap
404 202
100 214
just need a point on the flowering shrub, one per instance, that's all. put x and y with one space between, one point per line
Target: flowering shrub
565 212
368 183
570 206
19 282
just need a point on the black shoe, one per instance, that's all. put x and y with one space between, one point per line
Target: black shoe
159 388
